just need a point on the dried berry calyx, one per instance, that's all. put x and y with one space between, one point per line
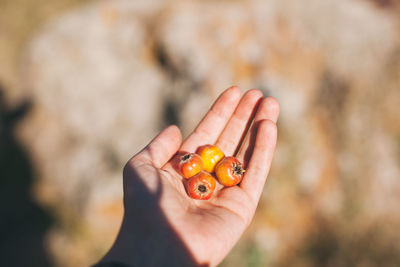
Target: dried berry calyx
238 169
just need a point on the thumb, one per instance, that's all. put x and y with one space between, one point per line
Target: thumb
161 148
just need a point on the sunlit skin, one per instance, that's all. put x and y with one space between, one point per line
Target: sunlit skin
201 186
229 171
190 164
208 228
210 155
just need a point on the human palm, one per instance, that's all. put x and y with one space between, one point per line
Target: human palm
154 192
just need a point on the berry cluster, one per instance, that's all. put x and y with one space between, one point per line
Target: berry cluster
199 168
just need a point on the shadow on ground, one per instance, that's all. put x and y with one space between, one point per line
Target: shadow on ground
23 223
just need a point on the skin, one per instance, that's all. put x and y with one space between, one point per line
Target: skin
207 228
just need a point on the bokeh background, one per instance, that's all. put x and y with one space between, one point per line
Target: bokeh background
86 84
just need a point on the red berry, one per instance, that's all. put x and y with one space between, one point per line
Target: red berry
201 186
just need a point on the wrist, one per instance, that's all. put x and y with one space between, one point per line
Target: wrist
148 244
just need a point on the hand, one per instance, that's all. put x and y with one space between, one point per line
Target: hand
162 226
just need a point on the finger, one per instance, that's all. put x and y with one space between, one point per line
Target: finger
260 161
161 148
267 110
238 124
214 121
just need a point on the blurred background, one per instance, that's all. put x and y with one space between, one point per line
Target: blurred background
86 84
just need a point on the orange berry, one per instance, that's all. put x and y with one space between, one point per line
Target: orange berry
210 155
190 164
229 171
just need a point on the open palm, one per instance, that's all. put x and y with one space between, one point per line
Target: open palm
157 204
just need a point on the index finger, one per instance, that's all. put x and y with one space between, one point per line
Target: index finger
211 126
